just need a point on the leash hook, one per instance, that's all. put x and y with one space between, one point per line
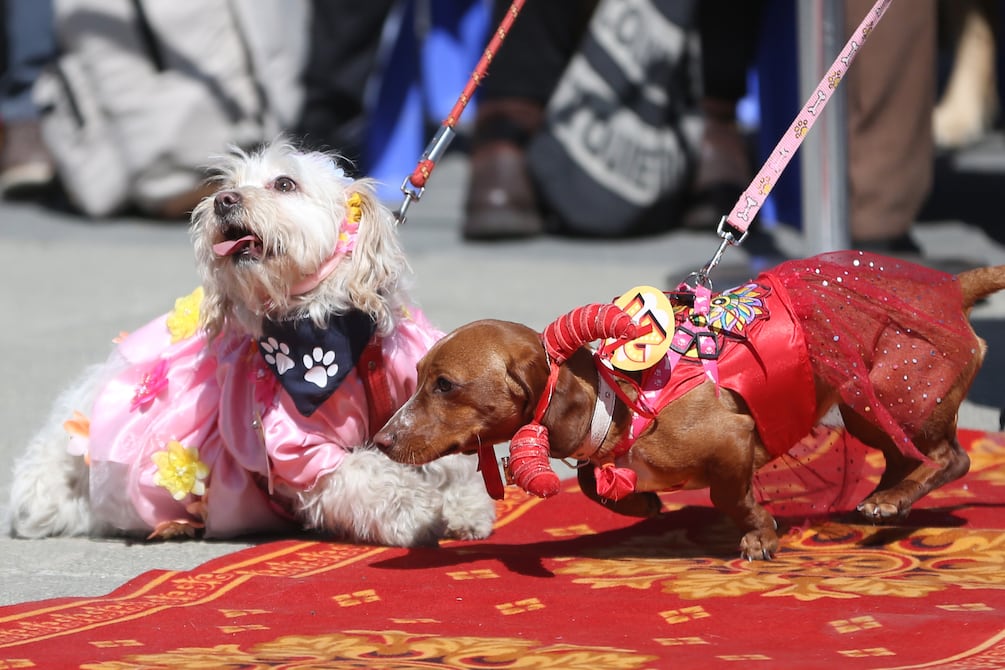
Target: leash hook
730 236
750 201
412 194
414 185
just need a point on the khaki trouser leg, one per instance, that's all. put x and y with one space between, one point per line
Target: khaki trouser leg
890 89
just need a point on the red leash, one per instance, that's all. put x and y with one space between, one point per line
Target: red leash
414 185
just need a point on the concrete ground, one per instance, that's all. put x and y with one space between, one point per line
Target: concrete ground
68 286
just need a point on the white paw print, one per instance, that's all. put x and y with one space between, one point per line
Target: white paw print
320 366
277 354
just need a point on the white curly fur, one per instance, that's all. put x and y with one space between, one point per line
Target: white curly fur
369 498
298 231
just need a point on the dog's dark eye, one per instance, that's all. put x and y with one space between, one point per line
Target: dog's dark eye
443 385
284 184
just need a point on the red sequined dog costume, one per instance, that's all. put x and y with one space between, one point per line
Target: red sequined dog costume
849 317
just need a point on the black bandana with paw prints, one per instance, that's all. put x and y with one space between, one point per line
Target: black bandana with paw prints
311 361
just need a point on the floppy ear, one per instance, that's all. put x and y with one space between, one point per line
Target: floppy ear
527 372
378 261
215 306
213 310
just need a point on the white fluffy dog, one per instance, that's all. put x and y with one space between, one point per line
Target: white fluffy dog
249 408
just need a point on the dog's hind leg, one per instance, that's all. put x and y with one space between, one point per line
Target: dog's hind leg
893 501
906 480
50 490
49 494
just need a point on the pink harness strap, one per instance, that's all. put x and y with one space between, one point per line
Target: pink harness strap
768 366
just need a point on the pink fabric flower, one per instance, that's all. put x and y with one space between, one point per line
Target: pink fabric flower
152 383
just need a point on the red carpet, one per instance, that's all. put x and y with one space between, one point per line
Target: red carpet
564 583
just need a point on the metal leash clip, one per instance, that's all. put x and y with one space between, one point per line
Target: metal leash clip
414 185
728 234
412 194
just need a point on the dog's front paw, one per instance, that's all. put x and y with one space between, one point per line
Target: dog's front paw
760 544
477 528
468 511
469 515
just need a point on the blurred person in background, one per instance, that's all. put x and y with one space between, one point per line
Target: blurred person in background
140 93
25 164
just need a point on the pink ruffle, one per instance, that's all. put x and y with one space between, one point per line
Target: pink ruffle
222 400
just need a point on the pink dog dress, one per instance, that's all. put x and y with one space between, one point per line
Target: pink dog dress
193 435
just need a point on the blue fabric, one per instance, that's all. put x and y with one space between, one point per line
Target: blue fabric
31 46
778 98
421 78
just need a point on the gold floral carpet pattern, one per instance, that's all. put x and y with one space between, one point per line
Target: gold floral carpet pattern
564 583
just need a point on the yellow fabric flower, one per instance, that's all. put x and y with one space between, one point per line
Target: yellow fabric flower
183 322
180 471
354 203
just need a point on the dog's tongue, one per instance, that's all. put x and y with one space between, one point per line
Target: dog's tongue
230 247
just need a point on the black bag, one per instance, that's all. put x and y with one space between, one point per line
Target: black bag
622 130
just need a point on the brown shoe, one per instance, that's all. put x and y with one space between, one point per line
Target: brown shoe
26 168
501 202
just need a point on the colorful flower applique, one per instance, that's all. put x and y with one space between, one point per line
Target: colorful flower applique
260 378
183 321
152 383
737 308
265 385
180 471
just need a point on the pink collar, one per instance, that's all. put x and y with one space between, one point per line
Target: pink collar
346 243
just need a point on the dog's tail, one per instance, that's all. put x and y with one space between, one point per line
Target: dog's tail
979 283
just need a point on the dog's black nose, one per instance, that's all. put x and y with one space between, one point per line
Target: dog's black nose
226 201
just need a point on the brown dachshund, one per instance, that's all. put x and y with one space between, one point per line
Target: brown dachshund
886 341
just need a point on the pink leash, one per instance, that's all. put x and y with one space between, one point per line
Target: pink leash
732 229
